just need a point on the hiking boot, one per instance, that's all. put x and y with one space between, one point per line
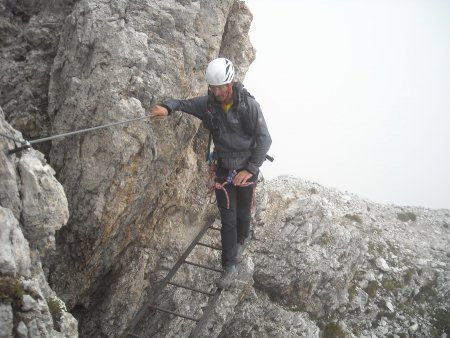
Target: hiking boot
229 274
241 248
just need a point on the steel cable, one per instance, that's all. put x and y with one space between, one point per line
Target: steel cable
12 138
27 144
87 129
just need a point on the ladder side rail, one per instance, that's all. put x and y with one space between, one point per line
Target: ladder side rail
206 314
137 318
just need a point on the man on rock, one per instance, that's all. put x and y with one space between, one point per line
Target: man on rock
241 141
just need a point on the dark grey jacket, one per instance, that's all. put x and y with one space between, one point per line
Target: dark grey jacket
235 146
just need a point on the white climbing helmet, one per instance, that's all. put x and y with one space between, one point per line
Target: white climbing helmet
220 71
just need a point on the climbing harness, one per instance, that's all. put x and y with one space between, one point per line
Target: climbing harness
27 144
214 184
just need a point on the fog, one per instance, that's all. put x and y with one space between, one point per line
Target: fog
356 95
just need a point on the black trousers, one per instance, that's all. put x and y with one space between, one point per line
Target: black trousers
235 213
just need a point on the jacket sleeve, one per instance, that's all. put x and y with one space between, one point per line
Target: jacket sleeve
261 135
196 106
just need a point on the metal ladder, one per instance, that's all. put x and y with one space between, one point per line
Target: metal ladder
213 297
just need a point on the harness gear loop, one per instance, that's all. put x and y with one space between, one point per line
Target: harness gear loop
214 185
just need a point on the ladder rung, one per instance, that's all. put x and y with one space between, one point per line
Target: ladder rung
133 335
143 311
192 289
173 313
202 266
210 246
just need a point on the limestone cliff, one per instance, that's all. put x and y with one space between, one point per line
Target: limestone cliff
321 262
32 208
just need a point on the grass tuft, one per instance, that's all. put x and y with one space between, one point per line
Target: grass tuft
10 290
56 307
407 216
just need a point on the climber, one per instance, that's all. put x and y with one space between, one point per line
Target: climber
241 141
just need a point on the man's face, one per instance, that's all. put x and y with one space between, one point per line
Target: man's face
221 93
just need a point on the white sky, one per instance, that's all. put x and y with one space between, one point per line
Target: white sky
356 94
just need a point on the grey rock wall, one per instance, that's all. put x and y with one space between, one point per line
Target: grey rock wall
134 192
360 269
32 208
138 191
325 263
29 37
322 263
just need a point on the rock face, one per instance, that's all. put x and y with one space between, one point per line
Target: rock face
361 269
32 208
134 192
137 192
322 263
313 269
29 37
